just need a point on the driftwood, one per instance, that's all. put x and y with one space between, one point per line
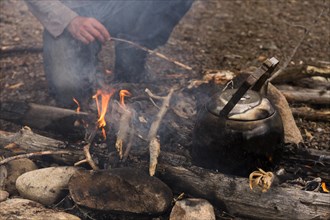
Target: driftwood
311 114
44 118
234 195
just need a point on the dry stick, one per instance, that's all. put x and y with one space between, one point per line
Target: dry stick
154 145
307 31
88 156
40 153
153 52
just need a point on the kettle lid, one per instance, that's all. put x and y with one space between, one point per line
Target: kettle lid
251 106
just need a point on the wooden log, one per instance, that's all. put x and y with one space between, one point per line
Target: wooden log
295 73
234 195
25 141
303 95
311 114
45 118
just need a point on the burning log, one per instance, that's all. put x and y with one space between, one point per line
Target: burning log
46 118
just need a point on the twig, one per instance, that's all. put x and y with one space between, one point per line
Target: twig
294 51
88 158
40 153
153 52
154 145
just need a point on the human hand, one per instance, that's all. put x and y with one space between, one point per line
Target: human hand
88 29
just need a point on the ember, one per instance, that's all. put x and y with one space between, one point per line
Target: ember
78 105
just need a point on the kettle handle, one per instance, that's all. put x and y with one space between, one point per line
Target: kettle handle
257 79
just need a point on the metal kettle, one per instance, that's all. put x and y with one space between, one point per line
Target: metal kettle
238 128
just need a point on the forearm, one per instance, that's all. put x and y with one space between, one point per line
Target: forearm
53 15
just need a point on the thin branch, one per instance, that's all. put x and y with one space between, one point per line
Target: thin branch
34 154
153 53
294 51
89 137
154 145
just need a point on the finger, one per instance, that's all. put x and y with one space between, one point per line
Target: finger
82 39
100 27
87 36
95 33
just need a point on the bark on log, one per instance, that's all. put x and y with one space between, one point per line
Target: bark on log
311 114
302 95
25 141
302 71
316 97
44 118
234 195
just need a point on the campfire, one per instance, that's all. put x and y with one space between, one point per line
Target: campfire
127 132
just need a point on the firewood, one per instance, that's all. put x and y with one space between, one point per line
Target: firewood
302 95
311 114
295 73
25 141
41 153
234 195
154 144
45 118
160 55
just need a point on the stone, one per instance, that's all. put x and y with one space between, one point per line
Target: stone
46 186
125 190
192 209
3 195
29 210
15 168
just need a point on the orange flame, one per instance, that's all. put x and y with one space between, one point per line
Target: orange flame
78 105
324 188
102 110
122 94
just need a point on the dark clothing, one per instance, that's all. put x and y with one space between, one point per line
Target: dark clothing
70 66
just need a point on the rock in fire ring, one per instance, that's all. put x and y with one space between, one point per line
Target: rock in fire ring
121 190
